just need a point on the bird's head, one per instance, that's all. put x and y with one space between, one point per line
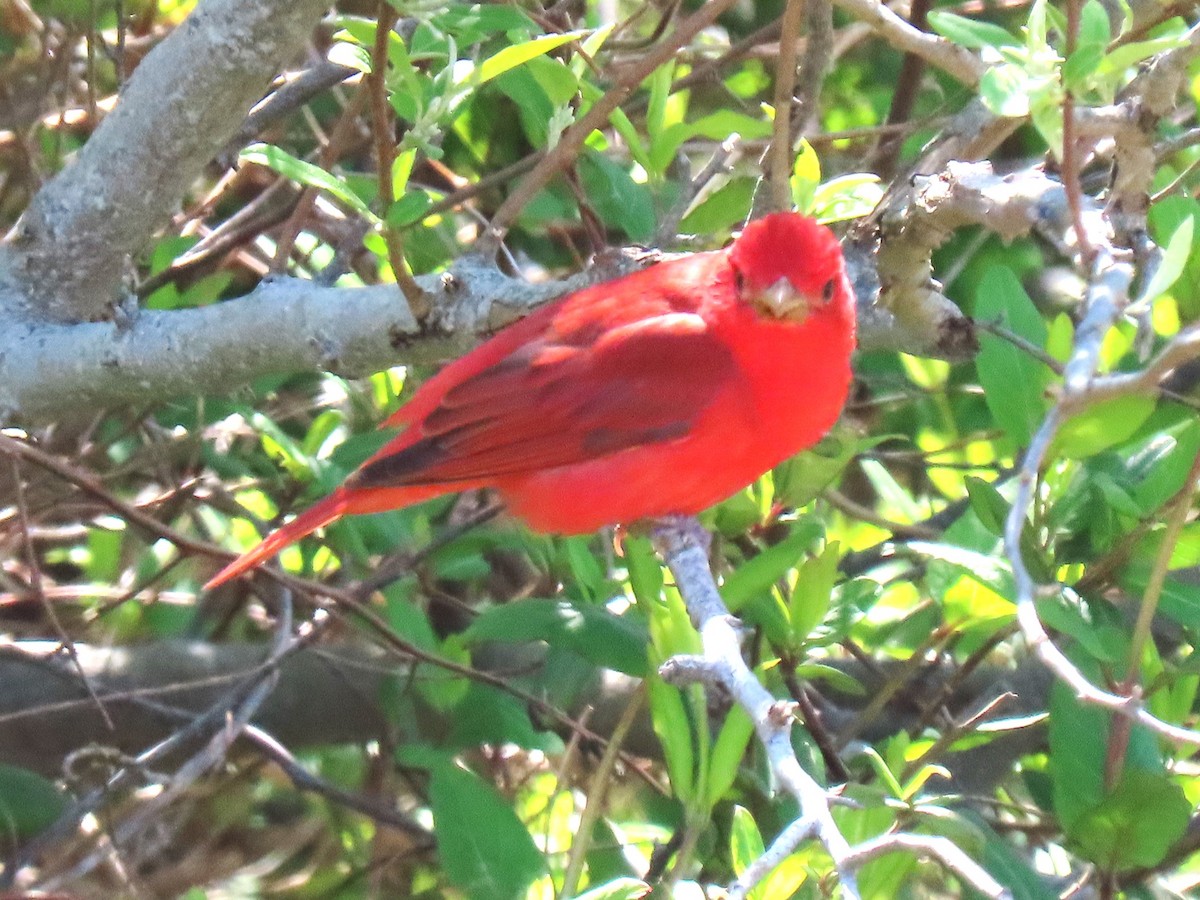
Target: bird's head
788 266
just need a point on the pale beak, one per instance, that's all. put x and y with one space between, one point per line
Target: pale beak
783 302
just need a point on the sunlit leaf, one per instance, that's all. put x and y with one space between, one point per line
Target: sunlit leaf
1012 380
970 33
305 173
484 848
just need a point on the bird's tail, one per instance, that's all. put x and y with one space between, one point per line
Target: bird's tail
335 505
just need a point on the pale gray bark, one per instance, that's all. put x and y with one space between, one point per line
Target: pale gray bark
67 257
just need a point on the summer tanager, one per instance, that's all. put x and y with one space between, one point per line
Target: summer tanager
659 393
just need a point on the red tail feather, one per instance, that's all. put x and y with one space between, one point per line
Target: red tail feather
333 506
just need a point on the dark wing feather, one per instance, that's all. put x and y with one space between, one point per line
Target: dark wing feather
553 404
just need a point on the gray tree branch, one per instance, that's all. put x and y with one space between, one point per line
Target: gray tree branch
294 325
66 258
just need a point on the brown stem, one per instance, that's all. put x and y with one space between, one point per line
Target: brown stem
813 723
779 165
383 129
908 83
1070 149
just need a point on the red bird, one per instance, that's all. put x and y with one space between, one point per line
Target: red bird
659 393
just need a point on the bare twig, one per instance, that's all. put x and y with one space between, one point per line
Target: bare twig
818 55
289 96
952 59
942 849
904 99
35 580
1071 148
779 154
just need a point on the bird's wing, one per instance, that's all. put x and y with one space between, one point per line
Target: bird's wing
554 403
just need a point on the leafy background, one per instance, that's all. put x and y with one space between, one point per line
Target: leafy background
506 734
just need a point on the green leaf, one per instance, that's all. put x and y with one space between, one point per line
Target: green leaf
1173 261
812 592
1180 600
835 678
668 715
759 573
1078 736
801 479
890 491
497 718
409 209
990 571
645 572
278 160
1121 833
715 126
512 56
806 175
660 92
1013 382
402 167
1081 65
484 847
1094 27
724 208
619 200
973 34
470 22
29 803
987 502
1008 866
608 640
847 197
1120 59
727 752
1102 425
1035 29
745 840
783 881
1004 90
1159 468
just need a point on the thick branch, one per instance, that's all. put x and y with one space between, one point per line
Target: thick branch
285 325
957 62
292 325
181 105
322 696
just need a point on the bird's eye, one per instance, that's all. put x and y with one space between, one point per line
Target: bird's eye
739 282
827 291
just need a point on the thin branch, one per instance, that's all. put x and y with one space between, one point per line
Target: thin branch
292 94
904 100
959 63
1071 148
818 56
35 580
683 545
779 154
942 849
383 130
1106 297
